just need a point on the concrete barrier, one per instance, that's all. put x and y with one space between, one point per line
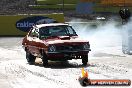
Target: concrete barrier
8 23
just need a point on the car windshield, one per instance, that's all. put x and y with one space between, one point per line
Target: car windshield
56 31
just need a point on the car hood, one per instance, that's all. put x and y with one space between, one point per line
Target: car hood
64 39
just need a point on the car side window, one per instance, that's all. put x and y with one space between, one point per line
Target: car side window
34 33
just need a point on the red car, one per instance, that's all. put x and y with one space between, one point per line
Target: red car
57 42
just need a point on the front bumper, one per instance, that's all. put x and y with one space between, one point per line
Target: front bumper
67 55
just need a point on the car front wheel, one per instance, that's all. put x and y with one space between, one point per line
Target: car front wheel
30 58
45 60
85 60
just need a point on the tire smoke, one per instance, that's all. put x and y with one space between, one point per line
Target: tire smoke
101 35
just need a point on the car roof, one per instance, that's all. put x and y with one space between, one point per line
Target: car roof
51 24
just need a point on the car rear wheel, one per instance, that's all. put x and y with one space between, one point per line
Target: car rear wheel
85 60
30 58
45 60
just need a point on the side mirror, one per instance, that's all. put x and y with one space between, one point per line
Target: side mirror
35 35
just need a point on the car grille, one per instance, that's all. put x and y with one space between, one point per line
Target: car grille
69 47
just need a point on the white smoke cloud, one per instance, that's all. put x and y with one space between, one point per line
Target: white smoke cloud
105 35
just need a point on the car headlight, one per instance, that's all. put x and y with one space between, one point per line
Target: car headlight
52 48
86 46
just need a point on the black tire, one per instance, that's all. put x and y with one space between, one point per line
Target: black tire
45 60
30 58
85 60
